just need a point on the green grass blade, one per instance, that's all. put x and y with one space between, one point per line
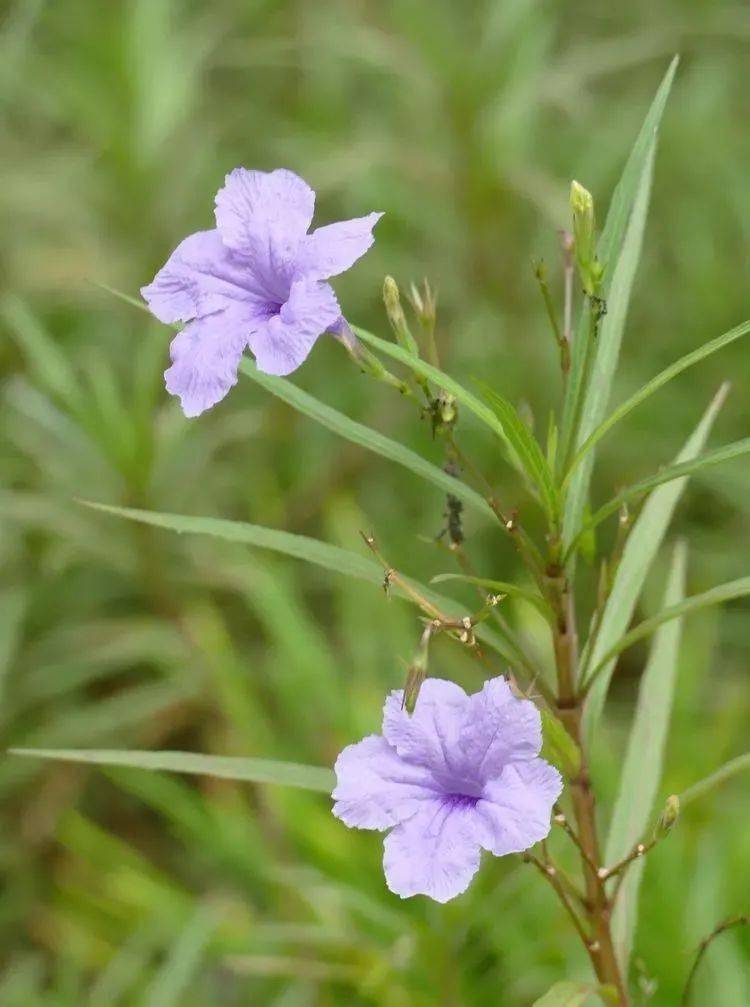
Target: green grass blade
739 588
526 449
285 774
607 351
311 550
677 471
610 245
724 773
172 979
644 758
654 385
640 550
359 434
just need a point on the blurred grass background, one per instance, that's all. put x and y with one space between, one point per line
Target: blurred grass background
465 123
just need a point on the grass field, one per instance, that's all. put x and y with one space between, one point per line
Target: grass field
464 122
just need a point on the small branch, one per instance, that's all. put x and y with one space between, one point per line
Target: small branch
563 345
638 851
461 629
566 241
549 871
733 921
561 819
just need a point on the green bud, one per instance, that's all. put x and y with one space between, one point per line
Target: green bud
668 817
366 360
584 238
424 302
401 330
417 672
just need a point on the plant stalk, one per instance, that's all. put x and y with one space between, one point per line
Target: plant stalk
570 710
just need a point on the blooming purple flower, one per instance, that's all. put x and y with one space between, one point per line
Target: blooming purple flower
256 280
458 776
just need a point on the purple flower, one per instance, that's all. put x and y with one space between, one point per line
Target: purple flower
458 776
256 280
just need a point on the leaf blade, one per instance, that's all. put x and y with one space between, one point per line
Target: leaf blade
639 553
644 758
656 383
733 589
371 440
310 550
721 775
246 770
607 351
526 449
610 242
708 459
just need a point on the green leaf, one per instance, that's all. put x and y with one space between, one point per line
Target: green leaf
654 385
610 245
286 774
724 773
558 747
665 475
373 441
526 449
311 550
641 548
573 994
500 587
607 351
644 759
174 975
739 588
471 402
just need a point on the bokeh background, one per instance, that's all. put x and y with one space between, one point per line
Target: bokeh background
464 121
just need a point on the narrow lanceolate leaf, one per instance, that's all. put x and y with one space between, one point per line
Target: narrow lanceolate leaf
170 983
287 774
311 550
724 773
373 441
654 385
665 475
500 587
739 588
442 380
644 759
526 449
610 244
574 994
606 351
638 555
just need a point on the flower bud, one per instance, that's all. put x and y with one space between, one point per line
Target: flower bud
668 817
584 236
401 330
424 302
417 672
364 358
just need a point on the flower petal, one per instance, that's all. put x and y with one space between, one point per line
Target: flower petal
515 810
201 276
264 216
499 728
375 788
332 249
435 853
205 357
285 341
429 736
